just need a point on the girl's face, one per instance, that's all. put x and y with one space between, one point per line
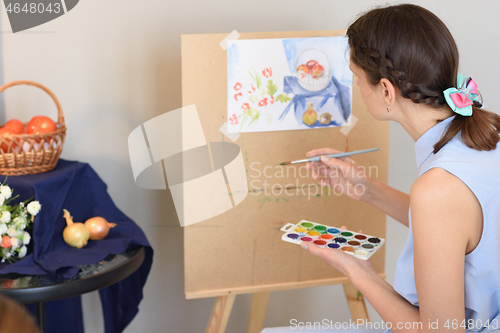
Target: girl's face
372 95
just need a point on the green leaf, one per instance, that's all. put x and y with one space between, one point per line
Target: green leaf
256 118
271 88
244 117
283 98
256 77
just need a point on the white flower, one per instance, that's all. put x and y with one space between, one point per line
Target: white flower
20 222
3 228
6 253
2 199
22 252
12 232
26 238
15 242
34 207
6 191
5 217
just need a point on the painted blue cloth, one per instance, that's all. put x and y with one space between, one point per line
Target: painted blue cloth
335 98
77 188
479 170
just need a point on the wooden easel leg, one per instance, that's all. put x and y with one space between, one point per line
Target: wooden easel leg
220 314
258 310
357 306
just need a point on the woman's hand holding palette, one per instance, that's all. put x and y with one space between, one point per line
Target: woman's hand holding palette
360 245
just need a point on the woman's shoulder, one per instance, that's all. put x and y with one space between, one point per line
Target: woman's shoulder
457 157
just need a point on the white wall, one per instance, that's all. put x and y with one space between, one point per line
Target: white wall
115 64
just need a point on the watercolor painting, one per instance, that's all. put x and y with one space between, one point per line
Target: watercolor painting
288 84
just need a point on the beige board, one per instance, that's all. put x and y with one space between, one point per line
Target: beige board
241 251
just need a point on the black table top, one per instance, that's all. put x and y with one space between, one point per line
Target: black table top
44 288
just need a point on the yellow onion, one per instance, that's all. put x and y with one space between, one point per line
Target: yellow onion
98 227
75 234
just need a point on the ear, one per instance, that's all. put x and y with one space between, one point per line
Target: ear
388 91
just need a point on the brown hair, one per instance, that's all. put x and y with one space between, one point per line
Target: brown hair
15 318
415 51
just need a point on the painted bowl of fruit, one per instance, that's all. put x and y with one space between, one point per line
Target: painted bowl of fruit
313 70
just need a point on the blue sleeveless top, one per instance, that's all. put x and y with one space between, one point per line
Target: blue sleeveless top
480 171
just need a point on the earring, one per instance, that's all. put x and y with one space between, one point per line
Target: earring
388 110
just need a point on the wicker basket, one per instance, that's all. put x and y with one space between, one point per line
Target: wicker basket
24 154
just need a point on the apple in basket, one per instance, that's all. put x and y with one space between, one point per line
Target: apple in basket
41 124
4 133
16 125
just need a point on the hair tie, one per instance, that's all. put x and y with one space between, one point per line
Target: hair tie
461 100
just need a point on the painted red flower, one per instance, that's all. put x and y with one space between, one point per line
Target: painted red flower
272 100
233 119
236 95
263 102
267 72
237 86
253 88
245 106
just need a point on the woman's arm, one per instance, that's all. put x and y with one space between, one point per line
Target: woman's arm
444 215
345 172
392 202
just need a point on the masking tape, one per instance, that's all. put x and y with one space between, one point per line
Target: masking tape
352 120
232 136
232 36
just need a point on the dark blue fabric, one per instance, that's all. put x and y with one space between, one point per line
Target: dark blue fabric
335 91
77 188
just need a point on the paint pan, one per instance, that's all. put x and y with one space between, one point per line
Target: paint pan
320 228
347 249
313 234
320 243
307 225
359 245
340 240
367 247
360 237
300 231
354 243
334 231
326 237
347 234
361 252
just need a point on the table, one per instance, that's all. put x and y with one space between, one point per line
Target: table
43 288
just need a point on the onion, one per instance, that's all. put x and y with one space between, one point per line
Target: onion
98 227
75 234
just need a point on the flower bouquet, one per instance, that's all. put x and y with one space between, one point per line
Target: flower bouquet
14 220
255 97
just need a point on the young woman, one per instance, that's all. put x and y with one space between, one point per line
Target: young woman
406 61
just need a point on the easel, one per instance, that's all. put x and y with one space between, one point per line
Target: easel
252 270
223 305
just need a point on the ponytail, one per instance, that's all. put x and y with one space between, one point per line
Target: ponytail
479 131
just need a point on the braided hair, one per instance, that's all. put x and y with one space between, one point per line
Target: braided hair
413 49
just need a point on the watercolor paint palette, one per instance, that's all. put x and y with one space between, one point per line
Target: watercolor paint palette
360 245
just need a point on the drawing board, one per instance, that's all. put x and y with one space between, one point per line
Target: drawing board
241 251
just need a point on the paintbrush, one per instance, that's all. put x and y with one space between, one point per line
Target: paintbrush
318 158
